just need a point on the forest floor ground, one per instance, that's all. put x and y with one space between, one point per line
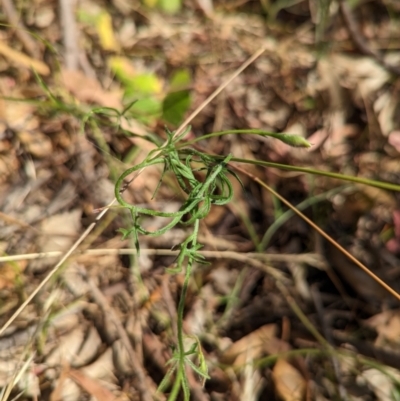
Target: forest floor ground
278 312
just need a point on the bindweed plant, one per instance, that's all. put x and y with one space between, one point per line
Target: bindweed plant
187 164
205 179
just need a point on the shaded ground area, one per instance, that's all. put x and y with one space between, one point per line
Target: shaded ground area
279 313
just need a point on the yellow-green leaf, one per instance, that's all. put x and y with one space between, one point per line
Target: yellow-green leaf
105 31
139 85
170 6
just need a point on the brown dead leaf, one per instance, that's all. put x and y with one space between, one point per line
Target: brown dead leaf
102 369
289 383
65 389
253 346
59 231
387 325
68 348
18 115
36 143
381 382
362 73
89 90
92 386
385 108
9 163
58 234
44 16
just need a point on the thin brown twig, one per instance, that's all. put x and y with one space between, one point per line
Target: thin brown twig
359 39
313 259
254 57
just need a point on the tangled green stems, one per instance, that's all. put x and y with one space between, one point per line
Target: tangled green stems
214 189
204 179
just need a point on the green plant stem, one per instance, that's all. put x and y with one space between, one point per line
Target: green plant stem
307 170
293 140
176 387
249 226
181 305
302 317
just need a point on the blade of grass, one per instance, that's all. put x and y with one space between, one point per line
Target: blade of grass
284 217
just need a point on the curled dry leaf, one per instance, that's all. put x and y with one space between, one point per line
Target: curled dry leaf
74 280
387 325
379 196
201 312
58 234
253 383
67 349
121 358
362 73
18 115
90 347
92 386
44 16
36 143
381 382
29 384
289 383
103 369
260 342
66 390
64 321
385 108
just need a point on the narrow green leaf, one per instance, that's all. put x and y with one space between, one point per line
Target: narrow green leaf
293 140
166 381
